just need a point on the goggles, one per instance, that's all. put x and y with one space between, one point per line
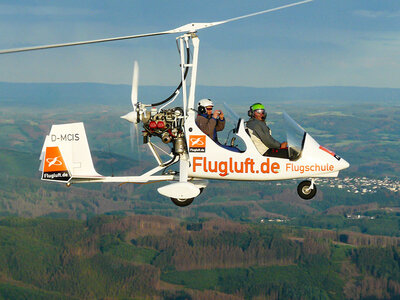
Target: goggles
209 107
260 111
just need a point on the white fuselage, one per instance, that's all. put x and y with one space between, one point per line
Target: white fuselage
210 160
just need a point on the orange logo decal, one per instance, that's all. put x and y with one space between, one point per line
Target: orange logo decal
53 161
197 143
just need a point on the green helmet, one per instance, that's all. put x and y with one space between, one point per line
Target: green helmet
256 106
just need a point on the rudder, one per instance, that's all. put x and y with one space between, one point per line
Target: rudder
66 154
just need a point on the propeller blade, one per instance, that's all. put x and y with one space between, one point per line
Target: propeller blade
188 28
137 141
135 82
134 136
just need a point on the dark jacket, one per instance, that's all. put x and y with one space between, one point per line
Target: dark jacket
260 130
209 125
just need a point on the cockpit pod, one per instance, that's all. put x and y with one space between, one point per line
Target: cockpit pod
307 159
308 154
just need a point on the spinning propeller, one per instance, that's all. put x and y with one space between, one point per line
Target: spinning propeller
136 114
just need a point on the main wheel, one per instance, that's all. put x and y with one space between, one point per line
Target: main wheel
182 202
304 191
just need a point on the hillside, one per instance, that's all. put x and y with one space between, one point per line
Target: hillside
142 256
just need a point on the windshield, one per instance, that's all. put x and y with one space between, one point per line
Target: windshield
295 136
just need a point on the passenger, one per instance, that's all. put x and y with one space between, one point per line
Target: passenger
260 133
210 122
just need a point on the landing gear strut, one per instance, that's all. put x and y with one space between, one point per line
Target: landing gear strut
307 189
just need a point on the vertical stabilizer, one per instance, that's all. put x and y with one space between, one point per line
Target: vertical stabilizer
66 154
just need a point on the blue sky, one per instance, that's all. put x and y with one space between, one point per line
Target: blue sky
325 42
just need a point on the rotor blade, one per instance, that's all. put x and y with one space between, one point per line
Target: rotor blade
265 11
188 28
85 42
135 82
193 27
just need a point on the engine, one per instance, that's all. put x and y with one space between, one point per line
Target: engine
167 125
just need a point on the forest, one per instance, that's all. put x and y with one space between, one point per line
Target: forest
139 256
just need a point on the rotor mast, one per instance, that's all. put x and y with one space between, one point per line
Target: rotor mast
189 39
186 41
196 43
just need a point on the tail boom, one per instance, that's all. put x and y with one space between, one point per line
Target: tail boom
66 158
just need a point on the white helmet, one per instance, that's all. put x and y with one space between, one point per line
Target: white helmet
206 102
203 103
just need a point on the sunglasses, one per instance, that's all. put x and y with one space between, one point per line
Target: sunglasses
260 111
209 108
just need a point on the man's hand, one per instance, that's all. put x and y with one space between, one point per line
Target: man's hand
284 145
218 113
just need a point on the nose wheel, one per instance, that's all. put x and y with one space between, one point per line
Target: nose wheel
307 189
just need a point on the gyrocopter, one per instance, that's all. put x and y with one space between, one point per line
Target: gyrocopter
66 157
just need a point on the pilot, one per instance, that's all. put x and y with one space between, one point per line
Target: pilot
208 121
260 133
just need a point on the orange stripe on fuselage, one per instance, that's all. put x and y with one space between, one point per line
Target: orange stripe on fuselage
327 150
